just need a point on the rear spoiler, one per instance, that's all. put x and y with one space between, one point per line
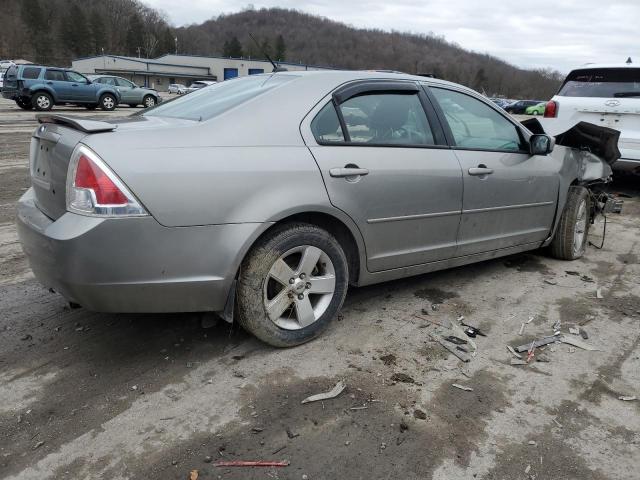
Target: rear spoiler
601 141
84 125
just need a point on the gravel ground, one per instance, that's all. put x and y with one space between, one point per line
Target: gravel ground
88 395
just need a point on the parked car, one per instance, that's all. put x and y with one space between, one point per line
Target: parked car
198 85
4 66
536 109
519 107
130 93
177 88
607 95
40 87
501 102
177 209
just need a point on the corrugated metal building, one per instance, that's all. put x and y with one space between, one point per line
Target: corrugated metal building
160 72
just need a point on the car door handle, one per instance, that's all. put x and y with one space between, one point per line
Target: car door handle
480 170
74 84
49 83
348 172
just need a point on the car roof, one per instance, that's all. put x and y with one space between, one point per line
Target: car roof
587 66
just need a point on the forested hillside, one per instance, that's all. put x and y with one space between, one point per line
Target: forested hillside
56 31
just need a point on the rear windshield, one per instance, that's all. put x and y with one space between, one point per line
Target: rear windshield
602 82
213 100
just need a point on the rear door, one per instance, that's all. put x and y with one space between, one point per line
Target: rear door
58 82
509 195
385 162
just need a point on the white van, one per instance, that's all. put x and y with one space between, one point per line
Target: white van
606 95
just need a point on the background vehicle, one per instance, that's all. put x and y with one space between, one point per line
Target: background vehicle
130 93
40 87
607 95
536 109
519 107
360 178
198 85
501 102
4 66
177 88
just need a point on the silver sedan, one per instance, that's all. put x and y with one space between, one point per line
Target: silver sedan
264 197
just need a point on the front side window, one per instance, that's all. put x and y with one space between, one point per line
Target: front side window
76 77
31 73
602 82
387 119
206 103
121 82
475 125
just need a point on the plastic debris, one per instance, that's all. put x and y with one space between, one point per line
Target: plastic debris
250 463
470 330
599 293
574 330
551 282
524 324
576 342
461 356
528 469
531 352
462 387
334 392
627 398
455 340
517 361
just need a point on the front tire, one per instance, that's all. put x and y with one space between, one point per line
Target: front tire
24 104
292 284
149 101
570 239
108 102
42 101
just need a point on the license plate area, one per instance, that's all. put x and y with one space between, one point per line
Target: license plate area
41 165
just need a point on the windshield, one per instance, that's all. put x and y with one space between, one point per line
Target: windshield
602 82
213 100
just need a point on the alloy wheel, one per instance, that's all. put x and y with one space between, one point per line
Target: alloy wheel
299 287
108 102
43 102
579 232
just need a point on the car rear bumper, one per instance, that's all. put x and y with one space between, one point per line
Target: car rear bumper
132 264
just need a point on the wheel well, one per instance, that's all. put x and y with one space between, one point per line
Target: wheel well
336 228
41 90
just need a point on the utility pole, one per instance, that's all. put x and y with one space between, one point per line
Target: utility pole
138 49
176 40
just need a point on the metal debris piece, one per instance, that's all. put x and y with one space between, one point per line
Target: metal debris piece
572 272
364 407
334 392
531 352
246 463
572 350
290 434
38 445
538 343
576 342
574 330
513 352
557 422
542 358
532 443
599 293
528 469
627 398
551 282
471 331
455 340
584 334
462 356
462 387
517 361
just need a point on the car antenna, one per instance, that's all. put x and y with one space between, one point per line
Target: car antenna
276 68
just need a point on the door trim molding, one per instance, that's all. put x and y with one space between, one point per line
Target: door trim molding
507 207
414 217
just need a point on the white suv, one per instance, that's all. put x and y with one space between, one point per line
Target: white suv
606 95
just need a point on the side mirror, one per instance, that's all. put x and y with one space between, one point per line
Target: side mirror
541 144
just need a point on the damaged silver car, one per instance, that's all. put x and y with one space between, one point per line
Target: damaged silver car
263 198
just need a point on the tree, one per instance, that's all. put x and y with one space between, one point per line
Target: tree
75 33
135 35
98 32
281 49
232 48
480 80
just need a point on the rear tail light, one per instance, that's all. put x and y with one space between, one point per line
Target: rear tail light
551 109
93 189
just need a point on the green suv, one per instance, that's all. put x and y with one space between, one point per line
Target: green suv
130 93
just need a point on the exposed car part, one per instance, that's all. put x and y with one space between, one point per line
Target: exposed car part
570 239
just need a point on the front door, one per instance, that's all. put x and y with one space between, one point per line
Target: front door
127 91
81 88
385 163
510 195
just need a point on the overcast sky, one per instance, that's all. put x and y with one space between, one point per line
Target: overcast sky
541 33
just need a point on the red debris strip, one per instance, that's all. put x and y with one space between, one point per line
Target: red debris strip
244 463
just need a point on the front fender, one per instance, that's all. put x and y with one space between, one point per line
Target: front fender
112 91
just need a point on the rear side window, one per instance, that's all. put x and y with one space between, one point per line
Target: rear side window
211 101
30 73
602 82
386 119
326 125
54 75
475 125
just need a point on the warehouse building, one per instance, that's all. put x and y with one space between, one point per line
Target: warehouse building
160 72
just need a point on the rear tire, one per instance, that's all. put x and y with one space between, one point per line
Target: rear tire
108 102
312 283
24 104
42 101
91 107
570 239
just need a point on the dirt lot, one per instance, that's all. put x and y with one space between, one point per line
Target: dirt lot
86 395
